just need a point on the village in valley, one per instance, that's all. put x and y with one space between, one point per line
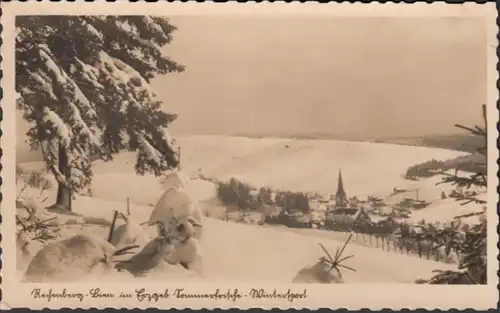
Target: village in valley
382 221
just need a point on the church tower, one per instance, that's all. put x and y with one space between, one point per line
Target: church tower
340 197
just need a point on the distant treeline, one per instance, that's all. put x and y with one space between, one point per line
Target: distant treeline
245 197
457 142
468 163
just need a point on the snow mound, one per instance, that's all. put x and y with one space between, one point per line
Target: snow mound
69 259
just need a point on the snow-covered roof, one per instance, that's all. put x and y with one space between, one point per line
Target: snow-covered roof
345 211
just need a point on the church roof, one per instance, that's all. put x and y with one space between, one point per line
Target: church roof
345 211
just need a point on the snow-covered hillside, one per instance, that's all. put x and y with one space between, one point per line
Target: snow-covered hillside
306 165
241 252
368 169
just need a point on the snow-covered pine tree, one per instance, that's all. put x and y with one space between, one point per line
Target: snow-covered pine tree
472 244
84 86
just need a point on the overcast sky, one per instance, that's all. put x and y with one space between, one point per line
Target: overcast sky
356 77
352 76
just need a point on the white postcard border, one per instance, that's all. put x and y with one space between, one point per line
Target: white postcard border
351 296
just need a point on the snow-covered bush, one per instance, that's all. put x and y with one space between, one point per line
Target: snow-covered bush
31 221
188 253
318 273
79 257
327 270
173 204
32 180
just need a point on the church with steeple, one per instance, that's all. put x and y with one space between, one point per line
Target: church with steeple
341 201
341 210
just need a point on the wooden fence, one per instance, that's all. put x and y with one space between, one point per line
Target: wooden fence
389 243
384 241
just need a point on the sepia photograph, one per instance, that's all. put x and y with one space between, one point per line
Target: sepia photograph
300 150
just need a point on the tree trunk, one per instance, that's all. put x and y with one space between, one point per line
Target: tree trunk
63 200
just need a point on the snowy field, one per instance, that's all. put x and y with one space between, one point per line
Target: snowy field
306 165
368 169
286 164
240 252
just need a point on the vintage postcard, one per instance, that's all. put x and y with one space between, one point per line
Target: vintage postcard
192 155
